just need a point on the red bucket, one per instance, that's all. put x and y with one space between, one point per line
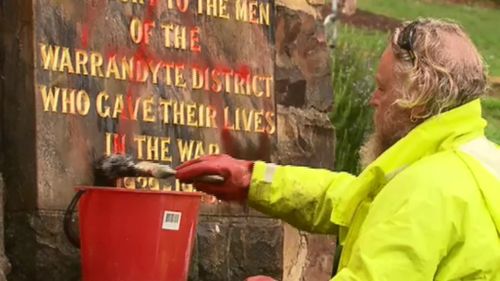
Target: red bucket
133 235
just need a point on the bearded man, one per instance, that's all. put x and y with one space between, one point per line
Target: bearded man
427 205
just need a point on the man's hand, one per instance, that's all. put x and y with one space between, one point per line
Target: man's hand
236 173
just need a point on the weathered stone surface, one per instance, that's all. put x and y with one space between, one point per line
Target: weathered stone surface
307 256
232 248
305 138
305 135
302 72
4 262
39 249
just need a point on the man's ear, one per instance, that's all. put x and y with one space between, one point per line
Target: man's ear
418 114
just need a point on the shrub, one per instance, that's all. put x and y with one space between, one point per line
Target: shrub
354 63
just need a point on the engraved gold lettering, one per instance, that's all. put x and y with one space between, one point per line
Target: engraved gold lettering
96 62
253 9
82 103
264 15
128 68
227 123
180 37
213 148
50 98
216 81
118 106
168 74
164 149
132 107
81 62
195 40
201 115
166 104
129 183
167 29
239 84
197 78
237 126
227 80
140 140
199 150
50 56
259 116
143 182
271 123
247 119
112 69
241 10
268 86
68 101
147 110
142 72
210 117
211 7
102 110
135 29
66 63
153 183
109 142
178 113
152 148
179 77
223 9
154 70
185 149
255 88
191 115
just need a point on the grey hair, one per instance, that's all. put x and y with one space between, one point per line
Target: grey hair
433 79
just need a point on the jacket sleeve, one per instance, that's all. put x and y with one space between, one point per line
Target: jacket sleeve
303 197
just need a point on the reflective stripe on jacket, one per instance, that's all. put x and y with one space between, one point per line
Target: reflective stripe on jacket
427 209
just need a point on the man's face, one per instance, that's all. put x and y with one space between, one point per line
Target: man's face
391 121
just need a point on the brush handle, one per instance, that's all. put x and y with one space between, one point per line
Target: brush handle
210 179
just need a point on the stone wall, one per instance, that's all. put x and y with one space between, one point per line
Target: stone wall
304 95
233 242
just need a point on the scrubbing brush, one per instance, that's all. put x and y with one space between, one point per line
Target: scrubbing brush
111 167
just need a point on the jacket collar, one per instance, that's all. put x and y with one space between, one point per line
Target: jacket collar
445 131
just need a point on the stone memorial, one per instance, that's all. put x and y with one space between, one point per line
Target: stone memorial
164 81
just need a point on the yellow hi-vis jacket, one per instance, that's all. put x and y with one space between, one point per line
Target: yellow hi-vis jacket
427 209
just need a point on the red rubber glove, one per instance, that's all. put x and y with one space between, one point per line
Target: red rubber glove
260 278
237 175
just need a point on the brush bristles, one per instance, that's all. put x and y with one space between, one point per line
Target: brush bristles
116 166
155 170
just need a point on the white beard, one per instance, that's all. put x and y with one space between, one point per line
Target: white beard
370 150
376 144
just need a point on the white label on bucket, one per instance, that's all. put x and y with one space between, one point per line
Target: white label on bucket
171 220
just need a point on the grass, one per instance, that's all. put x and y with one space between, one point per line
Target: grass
354 64
480 23
491 112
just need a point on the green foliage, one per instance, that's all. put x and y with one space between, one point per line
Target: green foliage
354 64
480 23
491 112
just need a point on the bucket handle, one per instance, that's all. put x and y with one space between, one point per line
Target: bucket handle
68 220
